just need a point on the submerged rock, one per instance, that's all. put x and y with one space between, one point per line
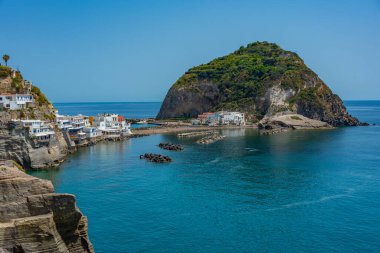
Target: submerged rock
35 219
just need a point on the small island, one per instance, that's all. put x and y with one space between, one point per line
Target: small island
261 80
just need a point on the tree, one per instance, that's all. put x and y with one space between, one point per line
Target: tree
6 59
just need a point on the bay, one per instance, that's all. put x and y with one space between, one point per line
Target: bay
300 191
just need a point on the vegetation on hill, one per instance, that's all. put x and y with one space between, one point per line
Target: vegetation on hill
5 71
248 72
42 109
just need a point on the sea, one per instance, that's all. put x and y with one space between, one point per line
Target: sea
299 191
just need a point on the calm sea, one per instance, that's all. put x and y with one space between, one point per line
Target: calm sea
131 110
301 191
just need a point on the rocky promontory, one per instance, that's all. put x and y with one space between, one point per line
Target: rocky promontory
15 141
33 218
261 80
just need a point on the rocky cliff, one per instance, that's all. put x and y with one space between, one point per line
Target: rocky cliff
12 84
15 143
35 219
261 80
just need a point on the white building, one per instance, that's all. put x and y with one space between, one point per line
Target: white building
92 132
37 129
235 118
77 122
221 118
112 125
15 101
78 126
63 122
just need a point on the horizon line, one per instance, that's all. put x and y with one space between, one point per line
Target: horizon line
108 102
89 102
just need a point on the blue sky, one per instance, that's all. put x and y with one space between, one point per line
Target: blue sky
135 50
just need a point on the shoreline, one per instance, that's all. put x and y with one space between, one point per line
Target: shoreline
163 128
136 133
177 129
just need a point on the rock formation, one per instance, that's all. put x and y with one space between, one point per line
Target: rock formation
170 146
16 145
35 219
293 121
156 158
261 80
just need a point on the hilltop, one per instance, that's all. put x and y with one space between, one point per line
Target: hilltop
21 100
262 80
12 82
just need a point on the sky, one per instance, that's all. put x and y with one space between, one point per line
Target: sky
104 51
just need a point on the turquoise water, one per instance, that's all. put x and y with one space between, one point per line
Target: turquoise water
302 191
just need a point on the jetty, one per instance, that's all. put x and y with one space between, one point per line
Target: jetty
194 134
211 139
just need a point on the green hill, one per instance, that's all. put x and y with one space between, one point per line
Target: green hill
260 79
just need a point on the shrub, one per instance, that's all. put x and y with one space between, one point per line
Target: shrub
5 71
295 117
39 96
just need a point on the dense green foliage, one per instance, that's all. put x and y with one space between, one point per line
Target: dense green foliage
248 72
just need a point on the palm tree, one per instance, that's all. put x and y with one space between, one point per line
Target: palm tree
6 59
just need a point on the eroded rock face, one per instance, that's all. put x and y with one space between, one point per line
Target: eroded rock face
185 103
35 219
15 145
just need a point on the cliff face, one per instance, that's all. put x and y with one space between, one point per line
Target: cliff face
16 145
35 219
261 80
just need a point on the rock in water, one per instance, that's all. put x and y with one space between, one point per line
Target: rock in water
261 80
169 146
35 219
156 158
